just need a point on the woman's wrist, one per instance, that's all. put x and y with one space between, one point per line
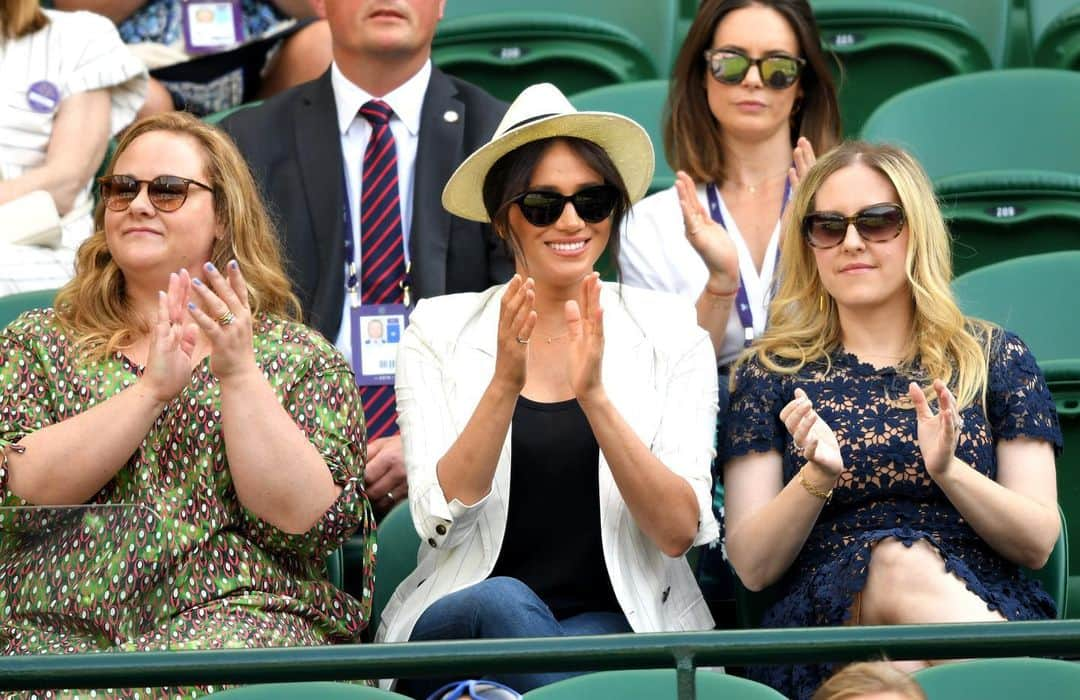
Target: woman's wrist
811 480
722 286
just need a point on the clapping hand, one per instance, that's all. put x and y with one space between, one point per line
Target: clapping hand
517 319
170 358
708 238
938 434
585 340
223 314
811 435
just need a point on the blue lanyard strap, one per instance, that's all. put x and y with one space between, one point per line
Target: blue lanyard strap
742 299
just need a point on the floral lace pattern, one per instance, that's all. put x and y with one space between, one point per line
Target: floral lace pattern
159 21
885 490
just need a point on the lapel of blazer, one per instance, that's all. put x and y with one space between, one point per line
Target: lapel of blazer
318 153
437 154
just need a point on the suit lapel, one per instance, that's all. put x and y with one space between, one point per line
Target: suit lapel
438 151
318 152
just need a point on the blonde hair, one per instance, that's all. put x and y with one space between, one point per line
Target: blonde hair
21 17
950 346
93 305
856 680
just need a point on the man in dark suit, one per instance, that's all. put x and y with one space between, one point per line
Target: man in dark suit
306 147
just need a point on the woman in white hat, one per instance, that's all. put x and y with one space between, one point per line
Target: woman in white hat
558 431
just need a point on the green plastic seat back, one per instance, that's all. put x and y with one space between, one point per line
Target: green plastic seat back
398 545
651 685
993 22
1054 575
1055 28
293 691
1001 679
12 305
888 47
644 103
1063 378
1029 296
505 48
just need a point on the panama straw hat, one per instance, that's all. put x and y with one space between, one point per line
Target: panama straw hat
539 112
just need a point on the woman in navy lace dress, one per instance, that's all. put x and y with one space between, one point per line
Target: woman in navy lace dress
888 461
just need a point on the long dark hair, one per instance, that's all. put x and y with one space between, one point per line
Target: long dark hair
691 135
510 176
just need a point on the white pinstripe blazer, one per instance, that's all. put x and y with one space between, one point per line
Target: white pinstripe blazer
659 371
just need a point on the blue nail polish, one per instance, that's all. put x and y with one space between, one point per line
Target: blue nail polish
196 281
191 305
210 267
234 265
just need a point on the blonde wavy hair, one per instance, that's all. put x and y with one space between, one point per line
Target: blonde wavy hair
804 326
93 305
869 678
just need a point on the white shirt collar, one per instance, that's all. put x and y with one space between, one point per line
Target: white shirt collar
406 100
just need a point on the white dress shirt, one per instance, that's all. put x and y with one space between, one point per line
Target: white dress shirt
407 101
655 254
659 372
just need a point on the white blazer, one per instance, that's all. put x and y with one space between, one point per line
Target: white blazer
658 370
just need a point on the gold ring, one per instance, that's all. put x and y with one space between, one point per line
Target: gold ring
226 318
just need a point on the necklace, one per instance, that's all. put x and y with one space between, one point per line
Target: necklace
752 188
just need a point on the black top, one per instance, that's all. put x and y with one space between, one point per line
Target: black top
552 541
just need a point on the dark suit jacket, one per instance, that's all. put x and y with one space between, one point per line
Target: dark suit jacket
293 146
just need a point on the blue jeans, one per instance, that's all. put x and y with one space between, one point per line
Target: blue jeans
499 608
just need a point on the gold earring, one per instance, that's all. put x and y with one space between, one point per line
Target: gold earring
821 303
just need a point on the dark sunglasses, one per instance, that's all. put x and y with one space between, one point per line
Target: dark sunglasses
778 71
166 192
480 690
543 208
877 223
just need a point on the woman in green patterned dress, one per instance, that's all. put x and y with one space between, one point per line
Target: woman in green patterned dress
172 379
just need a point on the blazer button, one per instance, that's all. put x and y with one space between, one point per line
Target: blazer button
440 529
431 541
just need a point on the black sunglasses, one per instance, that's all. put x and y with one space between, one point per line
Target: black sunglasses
543 207
730 66
166 192
877 223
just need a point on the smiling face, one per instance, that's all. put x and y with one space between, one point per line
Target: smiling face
857 273
749 109
562 253
148 243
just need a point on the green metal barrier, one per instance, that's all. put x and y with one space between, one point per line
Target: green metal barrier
684 651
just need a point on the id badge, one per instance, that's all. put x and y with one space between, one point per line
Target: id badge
211 25
376 335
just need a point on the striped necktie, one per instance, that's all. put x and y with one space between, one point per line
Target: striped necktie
382 248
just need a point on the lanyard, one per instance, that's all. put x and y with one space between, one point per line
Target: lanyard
352 274
742 299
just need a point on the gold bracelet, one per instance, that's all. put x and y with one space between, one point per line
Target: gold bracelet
813 489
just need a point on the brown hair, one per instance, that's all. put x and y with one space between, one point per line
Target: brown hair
510 176
856 680
93 304
21 17
692 137
804 325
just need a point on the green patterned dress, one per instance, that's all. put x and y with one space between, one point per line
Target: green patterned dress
172 560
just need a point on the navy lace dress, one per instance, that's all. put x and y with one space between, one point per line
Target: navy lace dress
885 490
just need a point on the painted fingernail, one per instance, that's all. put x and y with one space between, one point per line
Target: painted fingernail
210 267
234 265
196 281
191 305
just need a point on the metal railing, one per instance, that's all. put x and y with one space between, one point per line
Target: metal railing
683 651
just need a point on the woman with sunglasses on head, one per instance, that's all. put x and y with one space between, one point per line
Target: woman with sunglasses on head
886 459
170 376
557 430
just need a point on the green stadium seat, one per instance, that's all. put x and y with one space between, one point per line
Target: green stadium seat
576 47
1055 28
12 305
291 691
888 47
1063 378
651 685
1001 679
1001 26
1004 171
644 103
395 558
